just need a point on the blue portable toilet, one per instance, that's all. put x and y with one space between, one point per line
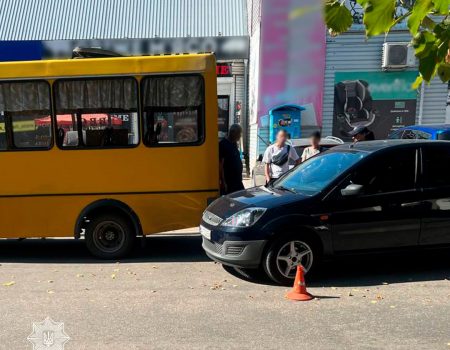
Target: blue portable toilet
287 117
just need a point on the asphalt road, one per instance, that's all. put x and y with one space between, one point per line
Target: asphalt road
168 295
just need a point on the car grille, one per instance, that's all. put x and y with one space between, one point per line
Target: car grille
234 250
211 218
219 247
215 247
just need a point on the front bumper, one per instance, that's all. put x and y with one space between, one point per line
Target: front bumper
245 254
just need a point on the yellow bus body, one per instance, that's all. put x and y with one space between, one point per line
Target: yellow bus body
44 192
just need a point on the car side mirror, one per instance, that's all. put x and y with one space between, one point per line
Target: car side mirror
260 158
352 190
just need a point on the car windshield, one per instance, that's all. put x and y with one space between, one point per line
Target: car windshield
445 135
314 175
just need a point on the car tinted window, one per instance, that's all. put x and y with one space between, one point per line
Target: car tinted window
391 171
422 135
409 135
445 135
436 161
314 175
396 135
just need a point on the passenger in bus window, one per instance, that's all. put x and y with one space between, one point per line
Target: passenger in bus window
230 162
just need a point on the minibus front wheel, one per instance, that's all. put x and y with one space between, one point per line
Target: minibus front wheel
109 236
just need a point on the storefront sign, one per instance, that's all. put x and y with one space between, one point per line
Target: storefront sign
381 101
225 48
224 70
20 126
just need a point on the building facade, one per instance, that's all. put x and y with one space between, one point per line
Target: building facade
339 80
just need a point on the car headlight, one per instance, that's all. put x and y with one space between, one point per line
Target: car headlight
244 218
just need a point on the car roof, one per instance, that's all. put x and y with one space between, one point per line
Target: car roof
428 127
374 146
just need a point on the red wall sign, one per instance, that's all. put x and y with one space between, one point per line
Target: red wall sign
224 70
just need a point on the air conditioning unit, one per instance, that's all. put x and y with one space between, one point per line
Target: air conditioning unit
398 56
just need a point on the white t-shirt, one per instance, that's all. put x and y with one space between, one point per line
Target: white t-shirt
309 152
272 151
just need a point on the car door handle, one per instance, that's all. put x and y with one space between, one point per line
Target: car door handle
411 204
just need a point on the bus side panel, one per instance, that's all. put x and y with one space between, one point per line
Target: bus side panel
44 191
56 216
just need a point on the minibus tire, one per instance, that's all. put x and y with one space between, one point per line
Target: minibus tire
109 236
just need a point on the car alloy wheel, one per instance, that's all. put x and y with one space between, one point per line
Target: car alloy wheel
290 255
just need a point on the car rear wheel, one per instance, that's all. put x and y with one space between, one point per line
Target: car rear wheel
285 254
109 236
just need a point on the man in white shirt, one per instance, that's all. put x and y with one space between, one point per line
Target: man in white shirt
277 157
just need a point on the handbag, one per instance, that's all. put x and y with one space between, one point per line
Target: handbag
281 158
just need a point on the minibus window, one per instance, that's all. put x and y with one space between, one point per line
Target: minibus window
173 110
22 106
97 113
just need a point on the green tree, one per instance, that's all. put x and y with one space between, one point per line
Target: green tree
427 21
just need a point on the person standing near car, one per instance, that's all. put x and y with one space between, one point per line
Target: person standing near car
361 133
230 162
277 157
315 148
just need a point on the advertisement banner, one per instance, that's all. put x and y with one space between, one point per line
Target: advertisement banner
380 101
225 48
292 62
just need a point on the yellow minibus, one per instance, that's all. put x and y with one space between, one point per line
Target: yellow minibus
107 148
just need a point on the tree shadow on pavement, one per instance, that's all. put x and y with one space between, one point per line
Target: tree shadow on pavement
156 248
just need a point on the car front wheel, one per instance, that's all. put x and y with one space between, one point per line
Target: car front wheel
284 255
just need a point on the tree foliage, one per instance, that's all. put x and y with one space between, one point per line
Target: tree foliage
428 21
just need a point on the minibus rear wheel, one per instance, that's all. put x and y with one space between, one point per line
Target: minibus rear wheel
109 236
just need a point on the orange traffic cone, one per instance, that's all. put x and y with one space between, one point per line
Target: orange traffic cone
299 292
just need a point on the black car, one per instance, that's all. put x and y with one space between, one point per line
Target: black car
354 198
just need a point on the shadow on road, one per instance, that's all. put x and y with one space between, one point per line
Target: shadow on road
157 248
375 269
370 270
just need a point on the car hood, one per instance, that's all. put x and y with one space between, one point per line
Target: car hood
226 206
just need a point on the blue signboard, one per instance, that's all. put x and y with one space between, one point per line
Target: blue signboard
20 50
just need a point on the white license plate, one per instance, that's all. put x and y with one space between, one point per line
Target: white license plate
205 232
